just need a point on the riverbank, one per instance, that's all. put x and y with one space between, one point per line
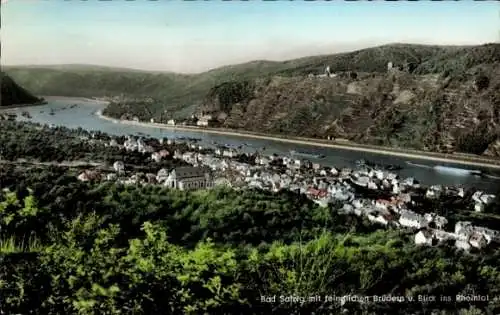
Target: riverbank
13 106
49 98
75 99
344 145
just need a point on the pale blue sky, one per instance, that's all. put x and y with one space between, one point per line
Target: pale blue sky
196 36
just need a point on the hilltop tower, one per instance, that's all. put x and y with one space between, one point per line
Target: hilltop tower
389 66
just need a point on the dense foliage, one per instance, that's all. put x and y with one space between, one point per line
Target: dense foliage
230 93
60 144
71 247
111 249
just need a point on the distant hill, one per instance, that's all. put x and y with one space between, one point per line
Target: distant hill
13 94
180 94
81 67
446 97
447 103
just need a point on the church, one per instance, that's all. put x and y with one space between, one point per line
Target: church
190 178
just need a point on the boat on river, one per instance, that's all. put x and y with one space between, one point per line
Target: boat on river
306 154
387 167
457 171
450 170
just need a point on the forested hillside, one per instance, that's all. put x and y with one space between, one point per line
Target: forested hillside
437 98
12 93
107 249
433 112
180 94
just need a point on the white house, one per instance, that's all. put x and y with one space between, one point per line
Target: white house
156 156
377 218
479 207
405 198
171 122
477 196
188 177
461 192
410 181
489 234
140 142
487 199
359 203
204 120
119 167
441 235
382 204
111 176
231 153
345 172
83 177
412 219
88 175
130 144
461 244
334 171
463 228
392 176
362 181
478 240
432 193
372 185
162 175
440 221
429 217
323 202
424 237
286 160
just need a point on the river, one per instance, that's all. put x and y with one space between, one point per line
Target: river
84 116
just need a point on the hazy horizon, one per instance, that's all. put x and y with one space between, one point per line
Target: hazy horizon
192 37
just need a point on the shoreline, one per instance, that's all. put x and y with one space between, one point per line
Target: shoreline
76 99
411 154
13 106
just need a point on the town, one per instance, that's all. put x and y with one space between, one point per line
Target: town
380 196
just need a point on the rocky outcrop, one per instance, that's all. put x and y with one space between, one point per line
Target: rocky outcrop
493 149
429 112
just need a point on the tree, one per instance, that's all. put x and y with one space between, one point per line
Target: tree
481 82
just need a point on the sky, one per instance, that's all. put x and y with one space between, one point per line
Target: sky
194 36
